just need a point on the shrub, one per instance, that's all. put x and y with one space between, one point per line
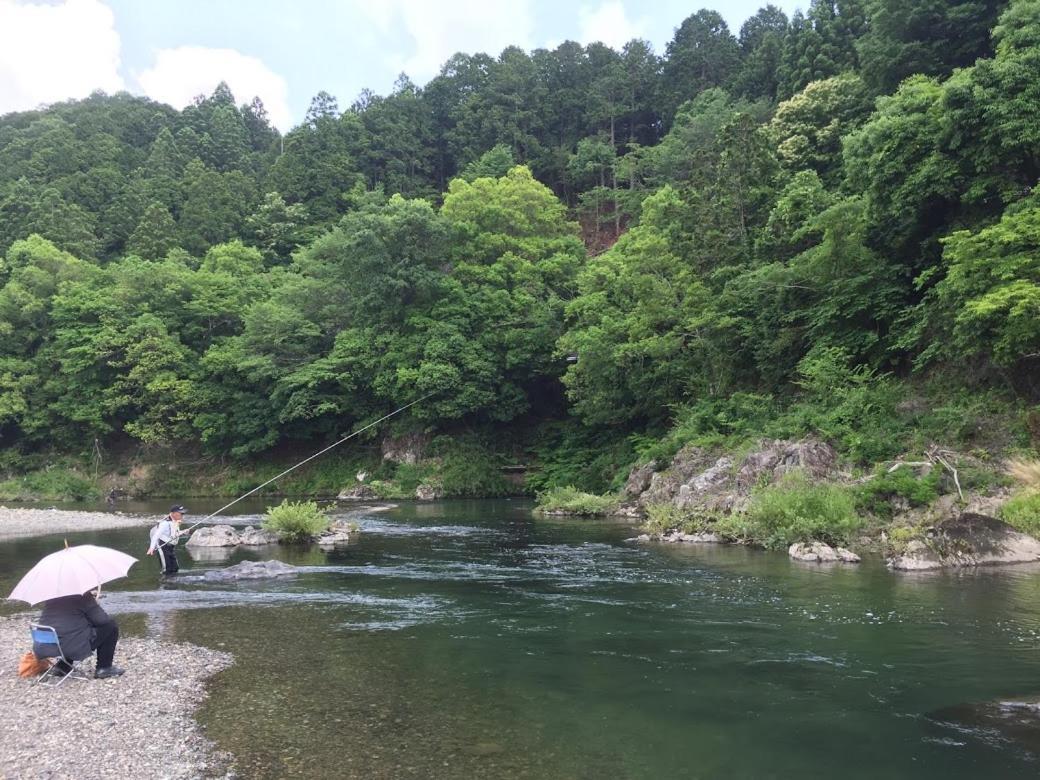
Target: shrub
595 459
571 501
1023 512
296 521
796 511
470 466
875 496
666 517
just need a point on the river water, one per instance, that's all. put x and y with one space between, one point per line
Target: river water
468 639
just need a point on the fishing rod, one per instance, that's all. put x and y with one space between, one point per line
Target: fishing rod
305 460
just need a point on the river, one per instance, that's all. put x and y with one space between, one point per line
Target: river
469 639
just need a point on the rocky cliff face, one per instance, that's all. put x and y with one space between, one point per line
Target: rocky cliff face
699 481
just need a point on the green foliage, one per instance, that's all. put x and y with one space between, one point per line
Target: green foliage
991 294
56 483
571 454
661 518
712 422
876 494
191 277
809 126
569 500
469 467
295 521
1023 512
795 510
850 406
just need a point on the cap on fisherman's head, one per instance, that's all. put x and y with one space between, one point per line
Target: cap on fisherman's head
177 508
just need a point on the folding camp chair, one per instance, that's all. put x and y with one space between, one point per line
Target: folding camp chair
45 635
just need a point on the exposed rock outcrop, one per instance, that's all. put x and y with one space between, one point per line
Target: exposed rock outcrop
697 481
404 449
639 479
214 536
968 540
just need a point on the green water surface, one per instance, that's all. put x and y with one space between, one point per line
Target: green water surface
470 640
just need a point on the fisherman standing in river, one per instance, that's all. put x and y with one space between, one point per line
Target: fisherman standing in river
164 539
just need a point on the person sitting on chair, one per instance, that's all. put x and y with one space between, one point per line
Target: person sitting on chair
82 627
164 539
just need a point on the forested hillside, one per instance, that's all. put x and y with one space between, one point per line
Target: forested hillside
819 224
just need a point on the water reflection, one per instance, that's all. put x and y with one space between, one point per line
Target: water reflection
465 639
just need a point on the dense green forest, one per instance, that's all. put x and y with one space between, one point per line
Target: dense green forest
819 224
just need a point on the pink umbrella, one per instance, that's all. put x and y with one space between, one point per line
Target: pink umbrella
72 571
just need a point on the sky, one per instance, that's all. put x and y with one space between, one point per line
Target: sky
287 51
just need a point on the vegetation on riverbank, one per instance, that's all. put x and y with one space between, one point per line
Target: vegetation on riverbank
787 233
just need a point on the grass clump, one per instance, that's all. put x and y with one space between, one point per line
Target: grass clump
792 511
1023 512
661 518
296 521
571 501
1026 472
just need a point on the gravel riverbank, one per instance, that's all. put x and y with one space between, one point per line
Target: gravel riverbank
40 522
137 725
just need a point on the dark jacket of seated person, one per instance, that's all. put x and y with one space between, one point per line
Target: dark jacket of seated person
82 625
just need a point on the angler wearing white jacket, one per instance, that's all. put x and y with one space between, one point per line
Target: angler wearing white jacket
164 539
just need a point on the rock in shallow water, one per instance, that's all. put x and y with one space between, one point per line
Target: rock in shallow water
214 536
250 570
257 536
818 552
969 540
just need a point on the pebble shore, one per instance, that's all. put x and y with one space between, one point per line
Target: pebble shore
39 522
137 725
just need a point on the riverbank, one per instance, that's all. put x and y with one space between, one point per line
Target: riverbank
137 725
22 522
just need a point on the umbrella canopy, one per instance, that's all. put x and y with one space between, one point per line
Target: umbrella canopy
72 571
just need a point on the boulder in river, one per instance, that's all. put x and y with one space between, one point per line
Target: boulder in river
701 537
426 492
214 536
818 552
358 492
340 532
251 570
257 536
968 540
996 723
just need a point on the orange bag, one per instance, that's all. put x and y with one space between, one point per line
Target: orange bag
31 666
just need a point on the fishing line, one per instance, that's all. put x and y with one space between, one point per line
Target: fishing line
305 460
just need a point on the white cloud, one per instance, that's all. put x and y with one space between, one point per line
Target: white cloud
609 24
439 30
55 52
180 74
